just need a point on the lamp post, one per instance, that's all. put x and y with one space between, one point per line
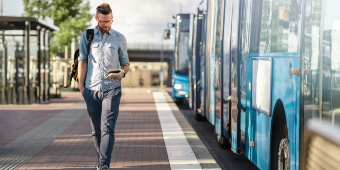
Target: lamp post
165 35
161 74
39 63
1 7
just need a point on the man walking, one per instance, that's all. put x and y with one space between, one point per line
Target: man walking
102 95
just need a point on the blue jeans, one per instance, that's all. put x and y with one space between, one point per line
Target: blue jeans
103 108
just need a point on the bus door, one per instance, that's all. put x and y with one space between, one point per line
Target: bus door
210 64
234 77
218 64
197 42
225 71
246 15
201 82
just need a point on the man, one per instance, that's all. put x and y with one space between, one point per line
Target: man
102 95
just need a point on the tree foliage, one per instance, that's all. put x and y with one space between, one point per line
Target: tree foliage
72 17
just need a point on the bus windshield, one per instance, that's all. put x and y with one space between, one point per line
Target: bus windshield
182 51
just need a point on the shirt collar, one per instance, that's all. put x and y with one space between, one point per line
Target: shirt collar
96 30
111 31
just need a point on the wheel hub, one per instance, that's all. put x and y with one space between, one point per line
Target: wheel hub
283 158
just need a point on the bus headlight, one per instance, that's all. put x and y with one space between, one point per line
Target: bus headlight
178 86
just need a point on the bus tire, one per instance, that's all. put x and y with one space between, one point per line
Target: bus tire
223 142
199 117
279 135
178 101
283 159
185 102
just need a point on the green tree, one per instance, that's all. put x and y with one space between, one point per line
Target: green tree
72 17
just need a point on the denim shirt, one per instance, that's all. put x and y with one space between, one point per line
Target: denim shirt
105 53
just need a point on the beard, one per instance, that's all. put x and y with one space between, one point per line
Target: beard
104 29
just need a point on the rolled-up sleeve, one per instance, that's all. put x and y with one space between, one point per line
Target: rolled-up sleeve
83 48
123 55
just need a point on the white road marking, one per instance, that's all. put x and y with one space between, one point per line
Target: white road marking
180 154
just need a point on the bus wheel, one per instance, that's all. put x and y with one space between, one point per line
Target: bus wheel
223 142
279 140
283 159
199 117
178 101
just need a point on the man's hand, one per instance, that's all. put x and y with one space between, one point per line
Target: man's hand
82 69
117 78
81 88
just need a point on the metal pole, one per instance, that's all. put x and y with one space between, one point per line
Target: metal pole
302 82
321 32
73 49
170 62
5 58
39 64
5 87
66 68
27 53
17 56
43 65
1 7
66 51
48 64
161 76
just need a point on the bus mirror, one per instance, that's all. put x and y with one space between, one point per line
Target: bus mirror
166 34
171 25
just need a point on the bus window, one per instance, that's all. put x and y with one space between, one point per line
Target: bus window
321 87
279 30
182 52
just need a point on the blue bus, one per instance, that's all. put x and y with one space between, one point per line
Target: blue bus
261 69
180 66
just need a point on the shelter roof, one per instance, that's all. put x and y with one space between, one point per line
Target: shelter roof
18 23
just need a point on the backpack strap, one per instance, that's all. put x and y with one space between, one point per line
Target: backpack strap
89 36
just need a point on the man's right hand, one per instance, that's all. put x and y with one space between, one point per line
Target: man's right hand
81 88
82 69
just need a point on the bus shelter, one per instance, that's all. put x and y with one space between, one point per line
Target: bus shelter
24 60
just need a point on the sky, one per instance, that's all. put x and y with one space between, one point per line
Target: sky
141 21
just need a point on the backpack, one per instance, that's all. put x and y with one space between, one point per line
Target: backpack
74 70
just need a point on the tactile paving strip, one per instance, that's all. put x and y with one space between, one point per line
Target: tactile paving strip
20 150
180 154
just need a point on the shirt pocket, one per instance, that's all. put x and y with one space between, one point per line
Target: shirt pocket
111 58
95 51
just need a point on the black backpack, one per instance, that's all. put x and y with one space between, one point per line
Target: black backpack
74 70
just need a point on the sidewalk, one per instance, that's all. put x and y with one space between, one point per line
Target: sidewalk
58 136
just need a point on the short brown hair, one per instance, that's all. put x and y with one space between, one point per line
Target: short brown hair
104 9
